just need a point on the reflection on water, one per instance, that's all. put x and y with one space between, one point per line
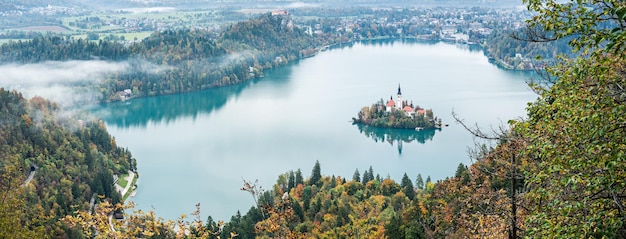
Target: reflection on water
138 112
167 108
396 136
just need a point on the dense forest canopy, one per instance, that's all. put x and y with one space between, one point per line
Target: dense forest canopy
71 160
180 60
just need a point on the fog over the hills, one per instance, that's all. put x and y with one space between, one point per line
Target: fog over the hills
67 82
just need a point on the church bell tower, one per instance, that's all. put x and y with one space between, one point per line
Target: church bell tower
399 99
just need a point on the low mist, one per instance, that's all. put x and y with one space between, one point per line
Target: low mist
67 83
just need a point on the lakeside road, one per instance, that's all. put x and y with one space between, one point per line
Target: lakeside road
122 191
129 179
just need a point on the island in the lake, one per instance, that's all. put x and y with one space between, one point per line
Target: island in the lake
398 114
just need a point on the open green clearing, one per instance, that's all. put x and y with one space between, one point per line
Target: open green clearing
130 191
122 180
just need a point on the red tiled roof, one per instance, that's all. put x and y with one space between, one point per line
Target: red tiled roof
407 109
390 103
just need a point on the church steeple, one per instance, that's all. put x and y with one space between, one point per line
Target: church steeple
399 99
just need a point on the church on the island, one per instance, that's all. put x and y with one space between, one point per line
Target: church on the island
403 105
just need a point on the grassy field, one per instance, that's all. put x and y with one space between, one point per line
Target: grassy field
128 23
122 180
131 36
42 29
186 17
130 191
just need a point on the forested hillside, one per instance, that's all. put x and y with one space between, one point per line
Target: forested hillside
523 55
178 60
70 160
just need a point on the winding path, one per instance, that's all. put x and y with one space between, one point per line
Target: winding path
31 175
122 191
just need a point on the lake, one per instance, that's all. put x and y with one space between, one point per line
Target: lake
199 147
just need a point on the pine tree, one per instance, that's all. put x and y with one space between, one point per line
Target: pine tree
306 197
356 176
419 182
299 178
366 177
292 181
407 187
316 174
460 170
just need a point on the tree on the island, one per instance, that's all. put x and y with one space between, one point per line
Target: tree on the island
316 174
420 120
429 114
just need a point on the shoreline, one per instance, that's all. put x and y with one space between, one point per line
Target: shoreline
131 182
336 45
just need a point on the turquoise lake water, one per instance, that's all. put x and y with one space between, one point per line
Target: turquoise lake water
198 147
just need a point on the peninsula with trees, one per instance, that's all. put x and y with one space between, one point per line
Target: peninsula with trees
399 114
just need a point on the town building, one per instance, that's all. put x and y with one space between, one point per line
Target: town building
408 108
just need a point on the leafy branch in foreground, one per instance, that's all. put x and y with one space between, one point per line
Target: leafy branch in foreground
577 132
138 224
592 24
510 170
255 190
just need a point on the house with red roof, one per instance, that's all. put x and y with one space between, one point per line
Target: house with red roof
390 104
398 104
